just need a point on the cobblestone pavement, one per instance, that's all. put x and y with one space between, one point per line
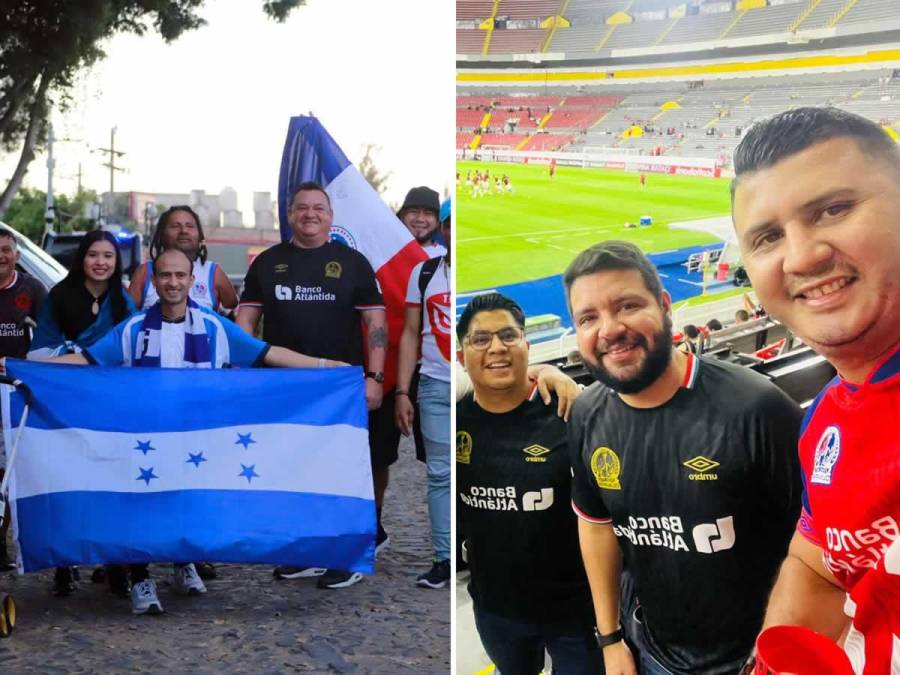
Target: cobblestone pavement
248 622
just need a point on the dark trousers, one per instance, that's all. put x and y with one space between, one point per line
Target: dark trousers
517 648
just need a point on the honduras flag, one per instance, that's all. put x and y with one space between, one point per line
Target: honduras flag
361 219
130 465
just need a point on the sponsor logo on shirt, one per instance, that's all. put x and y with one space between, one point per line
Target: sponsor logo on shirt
333 270
534 453
853 550
828 450
702 466
342 236
463 447
491 498
303 294
606 468
712 537
281 268
505 499
668 532
11 329
438 306
200 288
663 531
23 301
538 501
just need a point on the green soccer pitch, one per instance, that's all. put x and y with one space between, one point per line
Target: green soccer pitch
536 230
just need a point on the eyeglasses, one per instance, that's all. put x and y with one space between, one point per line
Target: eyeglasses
482 339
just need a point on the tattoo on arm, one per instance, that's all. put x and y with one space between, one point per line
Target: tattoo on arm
378 337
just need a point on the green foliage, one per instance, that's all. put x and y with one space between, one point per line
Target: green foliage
26 212
537 231
45 44
370 171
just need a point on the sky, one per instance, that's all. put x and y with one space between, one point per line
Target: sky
211 109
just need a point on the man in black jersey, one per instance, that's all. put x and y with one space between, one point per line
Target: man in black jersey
683 466
528 584
313 293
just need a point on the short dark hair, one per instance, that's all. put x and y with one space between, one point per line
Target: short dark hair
691 330
769 141
488 303
156 247
714 324
742 315
307 186
9 235
613 255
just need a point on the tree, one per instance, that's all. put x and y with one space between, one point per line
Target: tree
370 172
26 212
44 44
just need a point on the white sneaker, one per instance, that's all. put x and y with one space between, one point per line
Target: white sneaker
144 599
187 581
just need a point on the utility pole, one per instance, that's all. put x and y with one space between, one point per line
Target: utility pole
51 163
113 153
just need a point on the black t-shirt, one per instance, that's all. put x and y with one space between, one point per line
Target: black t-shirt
704 494
72 308
311 298
19 302
513 479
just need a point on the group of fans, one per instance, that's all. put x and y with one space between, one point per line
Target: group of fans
708 506
315 294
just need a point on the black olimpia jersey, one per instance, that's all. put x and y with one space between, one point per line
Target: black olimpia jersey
703 493
311 298
513 481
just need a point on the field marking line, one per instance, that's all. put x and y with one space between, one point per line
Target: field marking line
525 235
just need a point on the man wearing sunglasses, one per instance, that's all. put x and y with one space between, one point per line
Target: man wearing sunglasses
528 584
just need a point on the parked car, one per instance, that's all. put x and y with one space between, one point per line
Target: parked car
35 262
63 245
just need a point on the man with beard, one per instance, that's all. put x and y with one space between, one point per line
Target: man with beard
179 227
688 462
420 215
815 206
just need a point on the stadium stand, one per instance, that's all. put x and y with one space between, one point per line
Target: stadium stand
660 84
594 29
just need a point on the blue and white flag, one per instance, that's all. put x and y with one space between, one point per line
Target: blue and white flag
131 465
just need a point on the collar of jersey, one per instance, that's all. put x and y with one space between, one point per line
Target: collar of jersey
885 370
12 283
690 373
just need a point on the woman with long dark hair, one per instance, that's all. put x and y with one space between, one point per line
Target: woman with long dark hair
80 310
87 303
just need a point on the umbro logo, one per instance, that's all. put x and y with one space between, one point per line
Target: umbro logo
535 453
702 467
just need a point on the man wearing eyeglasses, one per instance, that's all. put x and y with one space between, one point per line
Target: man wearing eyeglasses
513 477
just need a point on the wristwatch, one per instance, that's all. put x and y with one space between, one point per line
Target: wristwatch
377 375
609 638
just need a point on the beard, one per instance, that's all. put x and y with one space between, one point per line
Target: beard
655 363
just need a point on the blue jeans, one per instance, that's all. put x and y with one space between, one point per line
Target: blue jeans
650 666
434 413
517 648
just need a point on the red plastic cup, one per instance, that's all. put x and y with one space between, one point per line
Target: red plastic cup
794 650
